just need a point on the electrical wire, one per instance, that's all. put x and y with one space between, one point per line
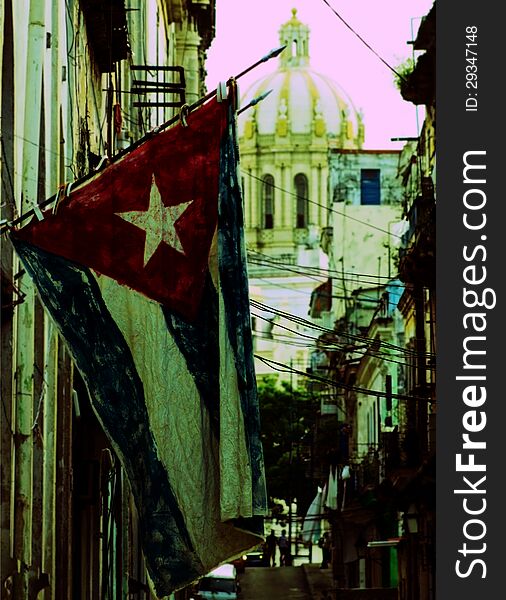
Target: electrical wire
332 210
285 341
332 346
283 368
287 266
39 146
404 364
297 272
374 348
331 349
310 292
292 289
322 272
322 269
359 338
362 40
10 199
26 178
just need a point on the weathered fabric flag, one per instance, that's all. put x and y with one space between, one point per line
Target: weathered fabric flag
143 271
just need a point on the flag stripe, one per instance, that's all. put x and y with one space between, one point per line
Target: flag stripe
89 230
71 296
234 286
198 342
179 419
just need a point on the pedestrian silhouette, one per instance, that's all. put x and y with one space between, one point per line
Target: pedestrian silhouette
325 544
270 549
284 548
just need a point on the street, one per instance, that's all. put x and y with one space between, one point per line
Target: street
281 583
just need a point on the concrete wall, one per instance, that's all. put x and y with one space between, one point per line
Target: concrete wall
363 241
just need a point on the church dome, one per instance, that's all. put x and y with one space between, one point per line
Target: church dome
302 101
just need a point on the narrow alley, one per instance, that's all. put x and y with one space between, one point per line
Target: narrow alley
287 583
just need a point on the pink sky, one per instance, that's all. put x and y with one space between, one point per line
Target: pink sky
246 31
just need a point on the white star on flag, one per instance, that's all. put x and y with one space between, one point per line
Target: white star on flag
158 221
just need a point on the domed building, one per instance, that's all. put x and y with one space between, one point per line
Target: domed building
301 152
284 143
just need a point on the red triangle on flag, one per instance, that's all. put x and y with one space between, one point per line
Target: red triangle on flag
148 219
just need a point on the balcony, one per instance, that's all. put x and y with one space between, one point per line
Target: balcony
204 14
301 236
421 211
417 258
106 26
420 86
397 454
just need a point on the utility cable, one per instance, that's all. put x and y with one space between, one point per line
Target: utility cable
300 270
332 210
336 346
331 347
363 41
310 292
308 324
282 368
323 271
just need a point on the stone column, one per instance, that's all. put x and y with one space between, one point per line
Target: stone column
314 195
187 55
280 207
248 199
324 193
288 200
253 198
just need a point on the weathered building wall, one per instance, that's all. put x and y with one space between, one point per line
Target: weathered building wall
67 526
363 228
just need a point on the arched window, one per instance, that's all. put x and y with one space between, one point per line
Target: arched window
268 202
301 190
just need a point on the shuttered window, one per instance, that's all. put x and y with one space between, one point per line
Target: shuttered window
370 186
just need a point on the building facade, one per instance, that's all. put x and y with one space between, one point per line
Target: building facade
383 362
417 269
80 80
362 234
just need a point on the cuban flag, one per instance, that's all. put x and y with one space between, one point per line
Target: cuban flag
143 271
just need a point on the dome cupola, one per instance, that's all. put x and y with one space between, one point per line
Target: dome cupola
295 36
304 107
